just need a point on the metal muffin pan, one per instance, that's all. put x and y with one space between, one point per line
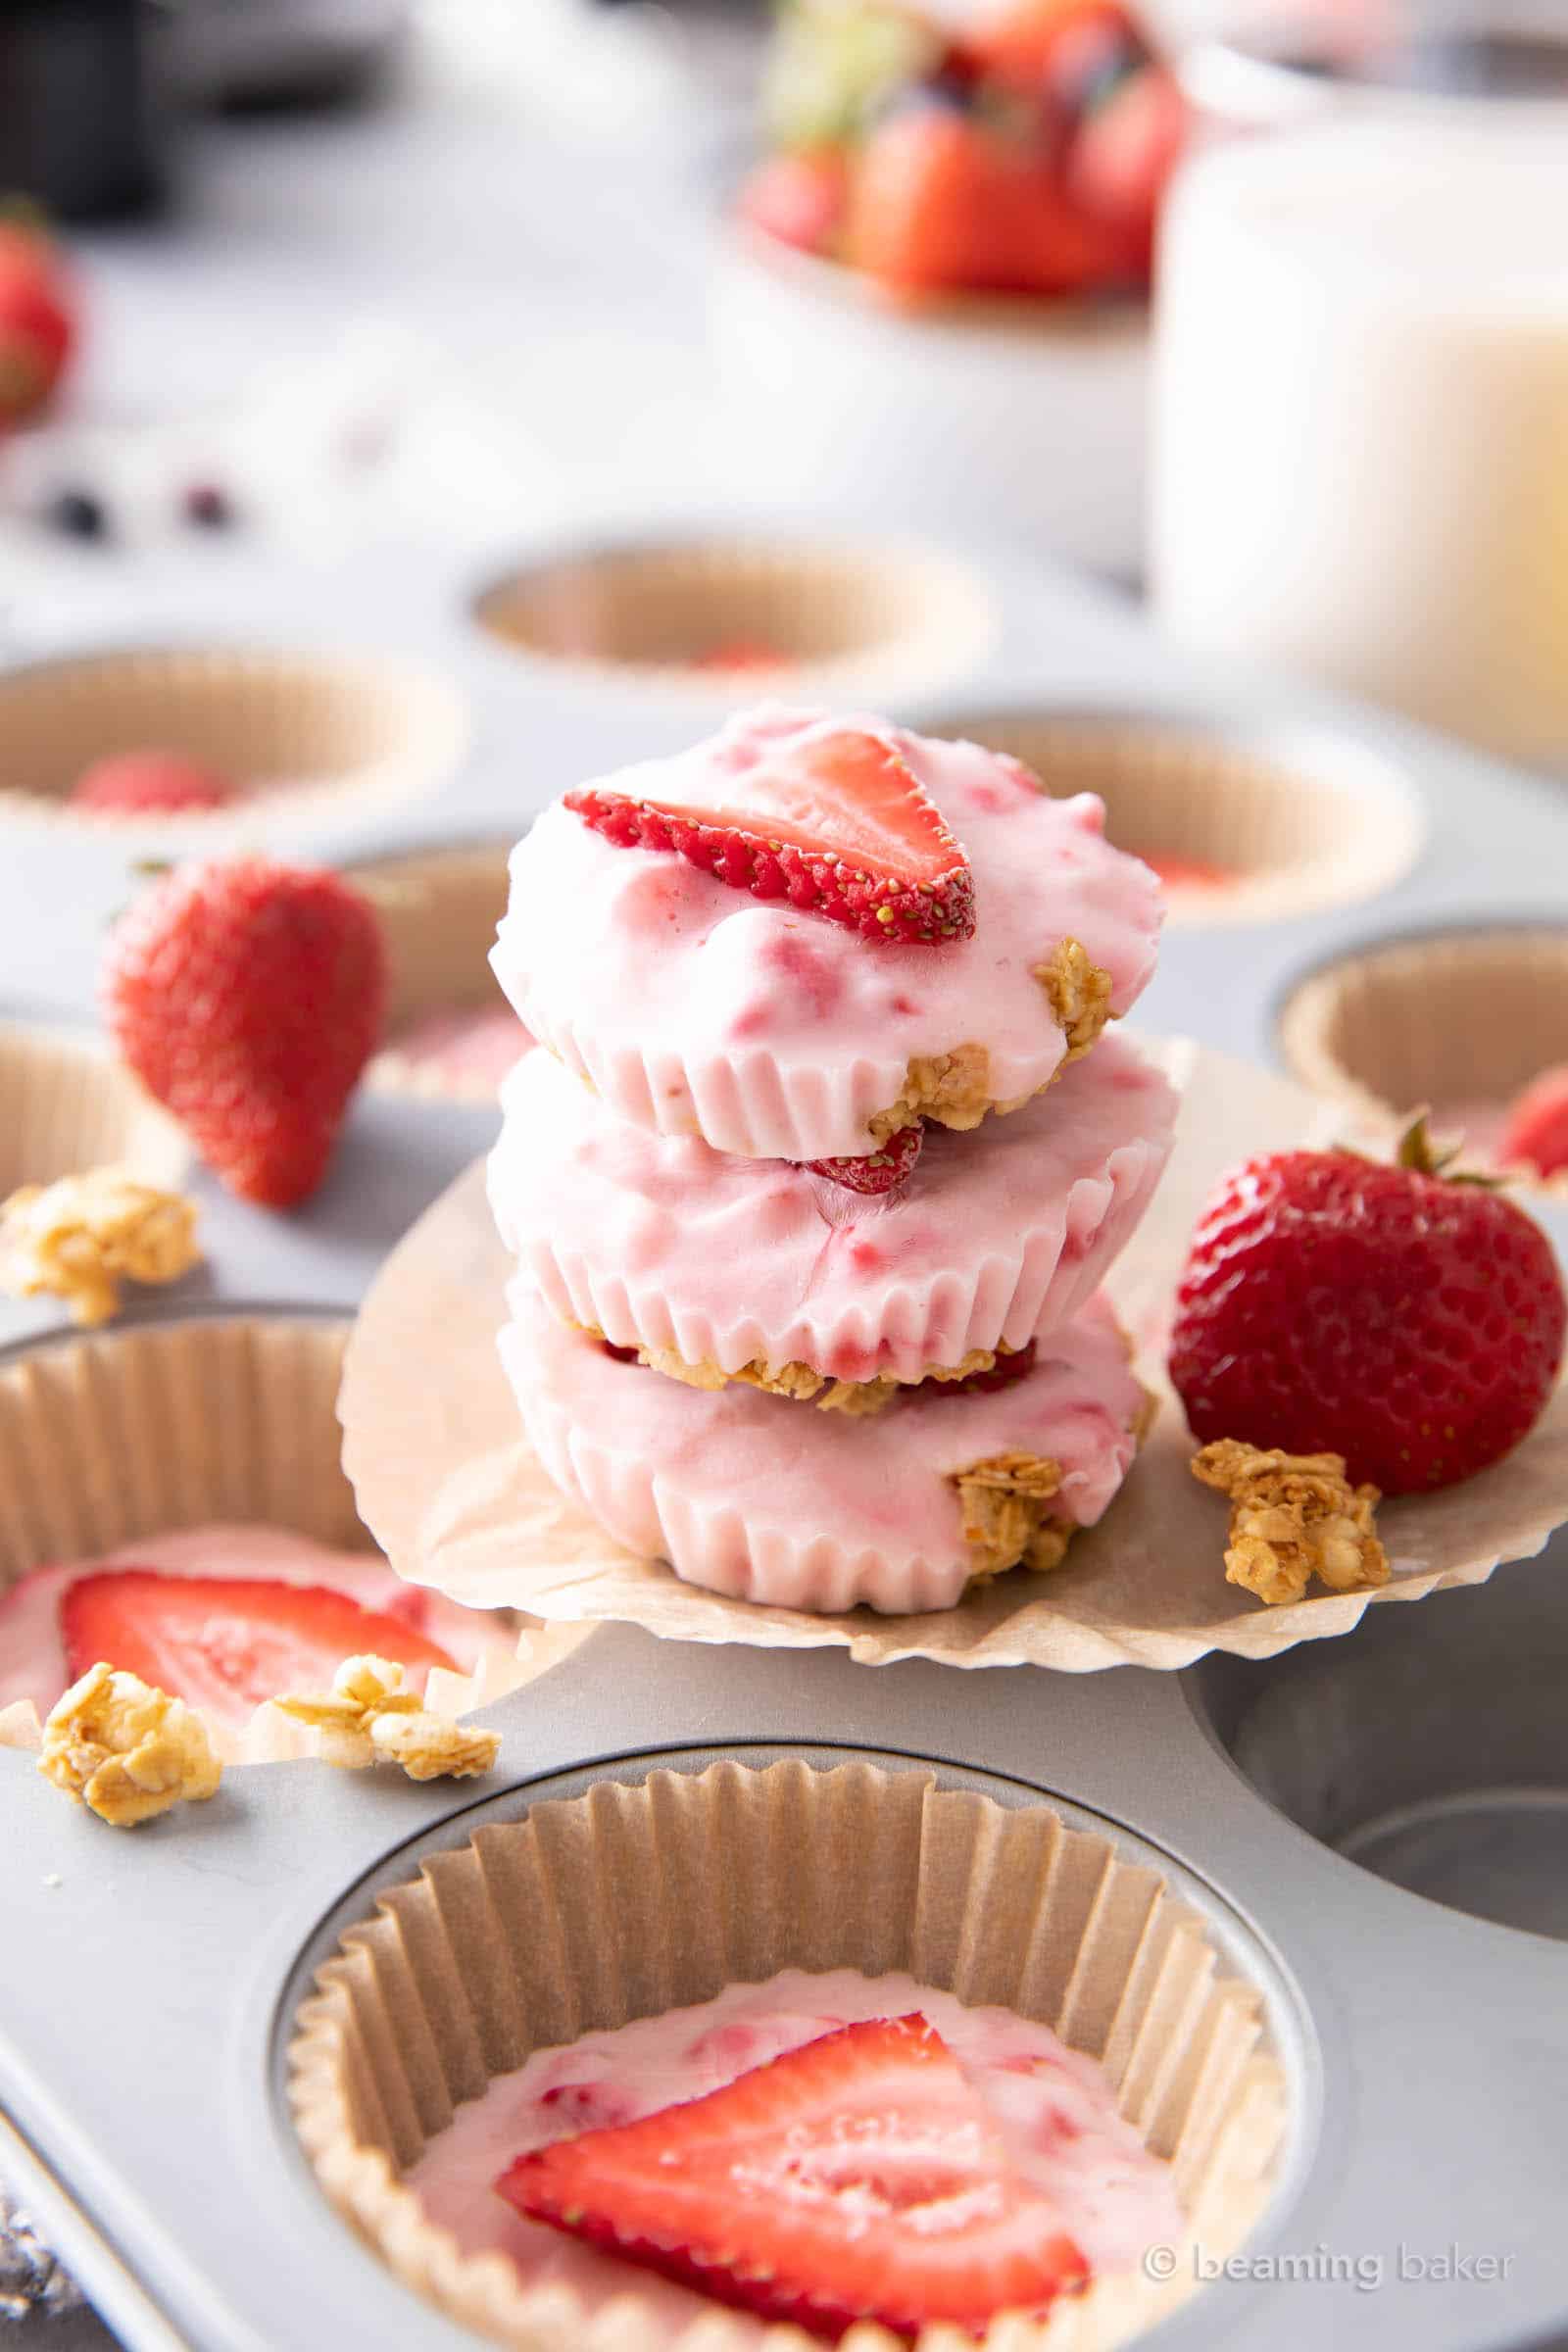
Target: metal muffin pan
149 1986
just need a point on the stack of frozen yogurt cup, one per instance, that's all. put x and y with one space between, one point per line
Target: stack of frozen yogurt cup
821 1156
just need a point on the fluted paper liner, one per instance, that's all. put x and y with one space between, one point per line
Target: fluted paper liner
1299 822
438 910
1451 1018
846 619
456 1499
196 1421
455 1982
305 737
66 1104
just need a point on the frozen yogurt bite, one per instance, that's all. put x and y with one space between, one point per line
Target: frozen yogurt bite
720 1268
754 1495
1028 2129
727 1001
228 1616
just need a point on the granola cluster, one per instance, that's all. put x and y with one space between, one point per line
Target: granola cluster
82 1236
1294 1516
953 1089
126 1750
368 1718
1004 1501
1078 993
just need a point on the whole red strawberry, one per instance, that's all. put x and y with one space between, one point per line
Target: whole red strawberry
37 322
1410 1321
248 997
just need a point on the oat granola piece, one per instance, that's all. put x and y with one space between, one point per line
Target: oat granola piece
1078 993
953 1089
368 1718
1004 1519
126 1750
1294 1516
81 1236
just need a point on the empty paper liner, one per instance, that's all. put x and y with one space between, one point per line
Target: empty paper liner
201 1421
459 1501
301 737
67 1106
1456 1023
447 1026
647 1896
744 621
1252 829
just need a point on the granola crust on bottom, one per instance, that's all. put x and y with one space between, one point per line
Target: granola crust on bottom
803 1382
1003 1500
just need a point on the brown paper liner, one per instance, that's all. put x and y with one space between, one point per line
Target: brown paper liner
846 619
459 1501
134 1431
1294 832
1462 1018
439 909
66 1105
452 1983
301 735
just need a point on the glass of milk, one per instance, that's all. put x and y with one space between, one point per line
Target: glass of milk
1360 436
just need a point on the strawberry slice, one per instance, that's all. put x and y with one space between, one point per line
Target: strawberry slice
858 2177
875 1172
224 1643
1536 1133
837 825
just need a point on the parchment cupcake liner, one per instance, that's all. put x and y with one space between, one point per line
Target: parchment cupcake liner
67 1106
303 737
843 617
934 1296
1304 822
224 1420
439 909
464 1504
657 1894
1456 1018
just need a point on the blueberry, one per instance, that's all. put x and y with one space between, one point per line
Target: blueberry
208 507
78 515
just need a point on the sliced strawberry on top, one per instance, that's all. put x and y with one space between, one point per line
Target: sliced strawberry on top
874 1172
1536 1131
224 1643
858 2177
837 825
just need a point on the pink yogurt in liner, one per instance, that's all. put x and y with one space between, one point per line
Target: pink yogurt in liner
662 1242
1053 2107
697 1010
770 1501
32 1659
471 1047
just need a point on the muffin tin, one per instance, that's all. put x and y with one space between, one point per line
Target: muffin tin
152 1987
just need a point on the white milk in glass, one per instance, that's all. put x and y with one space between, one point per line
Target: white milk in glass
1362 415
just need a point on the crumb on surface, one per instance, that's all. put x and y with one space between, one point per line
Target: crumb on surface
1294 1516
126 1750
368 1718
1078 993
84 1235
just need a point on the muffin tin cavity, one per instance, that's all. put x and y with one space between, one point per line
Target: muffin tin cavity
1251 826
742 621
298 736
1457 1021
447 1026
1430 1750
615 1897
65 1106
